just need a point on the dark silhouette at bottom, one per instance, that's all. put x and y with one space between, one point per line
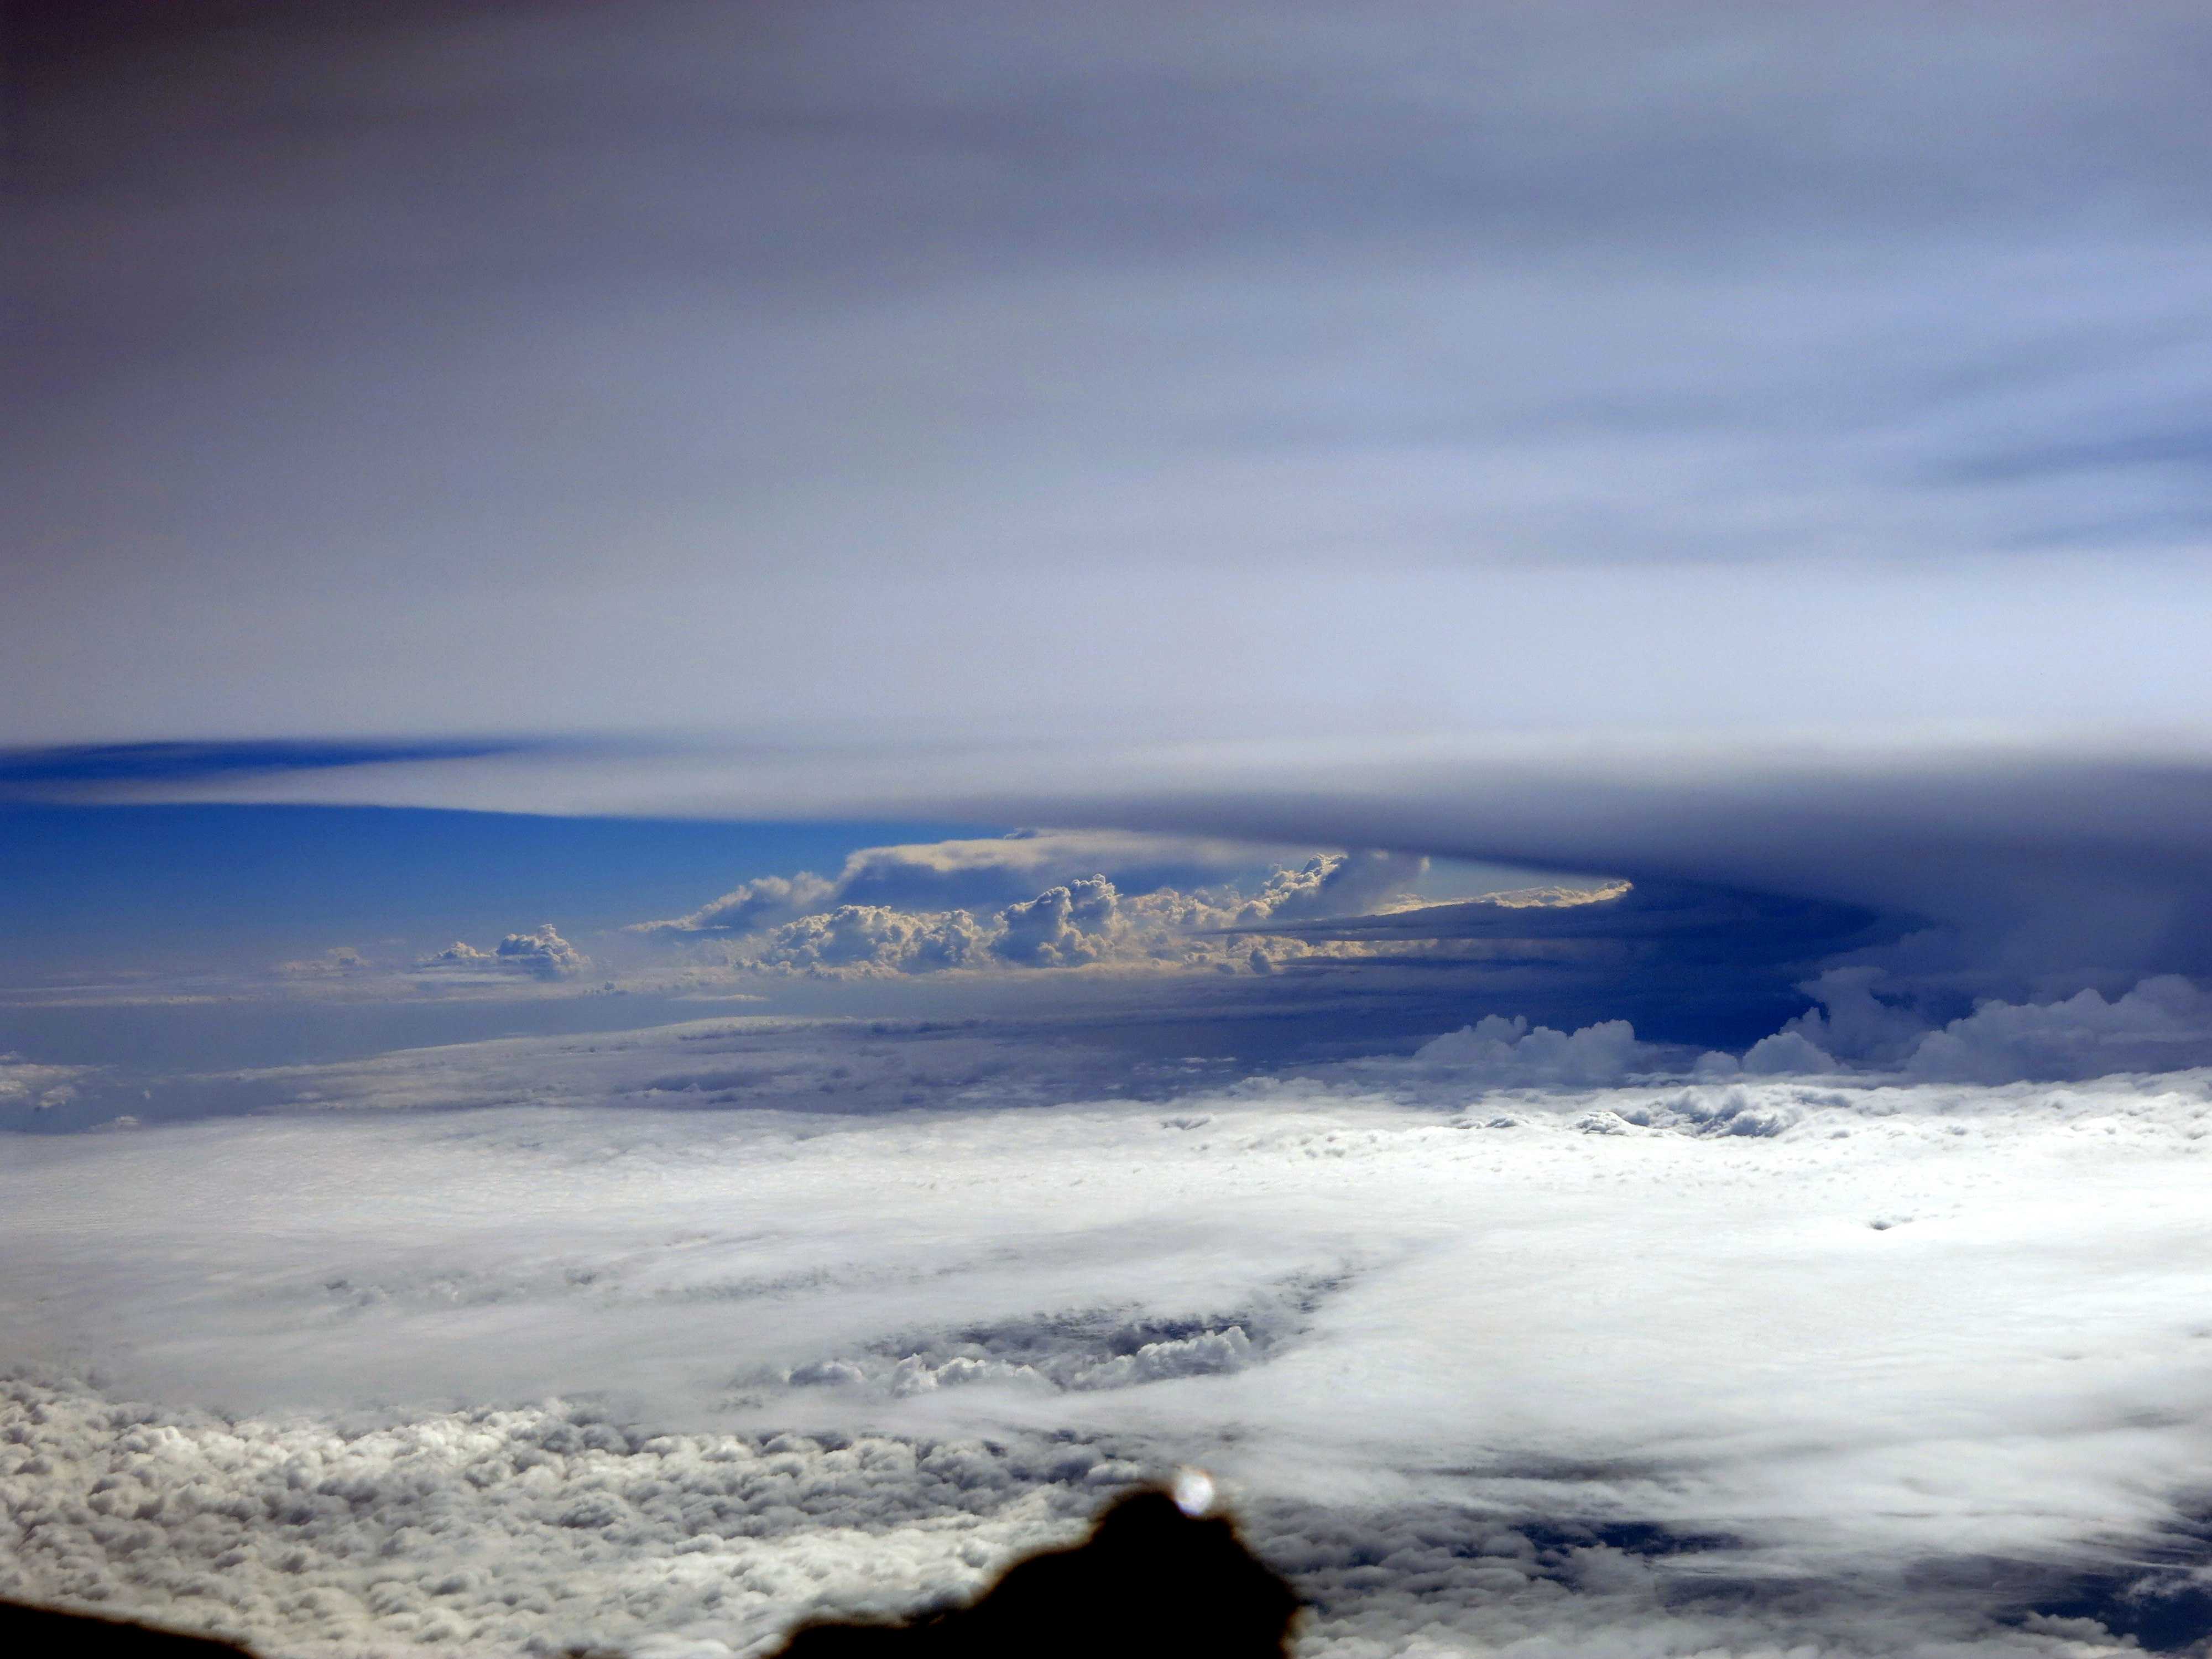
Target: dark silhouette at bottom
40 1633
1151 1581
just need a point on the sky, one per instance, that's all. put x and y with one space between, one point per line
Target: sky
786 783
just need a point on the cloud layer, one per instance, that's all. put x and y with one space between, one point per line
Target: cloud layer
535 1529
1676 1366
528 1530
1521 370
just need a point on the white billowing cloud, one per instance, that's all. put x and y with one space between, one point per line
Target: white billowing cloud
1852 1022
1501 1050
526 1530
541 953
985 873
558 1526
2164 1022
1863 1337
1785 1053
460 954
39 1086
1085 921
872 939
1063 926
1342 885
750 906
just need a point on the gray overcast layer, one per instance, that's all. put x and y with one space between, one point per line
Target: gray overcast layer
1475 367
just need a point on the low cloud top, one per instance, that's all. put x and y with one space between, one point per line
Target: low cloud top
541 953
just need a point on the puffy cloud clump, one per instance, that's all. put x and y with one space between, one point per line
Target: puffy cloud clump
1087 920
536 1529
1335 885
2164 1022
41 1087
1332 884
1038 899
985 874
872 938
1787 1054
556 1528
1065 926
748 907
541 953
977 874
1062 927
460 954
1852 1022
1511 1051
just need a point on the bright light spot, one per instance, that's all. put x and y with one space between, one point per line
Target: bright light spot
1193 1489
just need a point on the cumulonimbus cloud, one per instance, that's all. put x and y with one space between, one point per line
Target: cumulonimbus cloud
989 872
2025 862
1085 921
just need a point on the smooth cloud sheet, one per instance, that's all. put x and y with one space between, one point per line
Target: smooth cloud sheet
1713 365
1859 1364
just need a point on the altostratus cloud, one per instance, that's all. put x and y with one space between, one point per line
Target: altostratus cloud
1561 319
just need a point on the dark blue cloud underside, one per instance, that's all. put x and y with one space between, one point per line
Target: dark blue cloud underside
24 771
